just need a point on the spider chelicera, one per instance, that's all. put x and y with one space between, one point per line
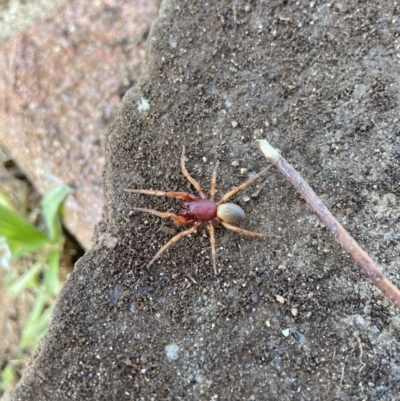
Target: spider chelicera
200 211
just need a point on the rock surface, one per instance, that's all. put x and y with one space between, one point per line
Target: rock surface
288 319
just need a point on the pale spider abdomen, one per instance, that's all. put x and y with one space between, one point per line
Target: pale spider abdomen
230 213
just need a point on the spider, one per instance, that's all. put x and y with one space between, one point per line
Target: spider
200 211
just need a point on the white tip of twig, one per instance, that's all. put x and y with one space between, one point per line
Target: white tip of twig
269 152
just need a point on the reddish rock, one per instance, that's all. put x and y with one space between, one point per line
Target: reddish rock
61 82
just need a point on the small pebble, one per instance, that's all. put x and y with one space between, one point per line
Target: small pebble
286 332
172 351
302 339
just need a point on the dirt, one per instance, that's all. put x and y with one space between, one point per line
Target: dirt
290 318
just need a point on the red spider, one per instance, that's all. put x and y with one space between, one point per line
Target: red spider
199 211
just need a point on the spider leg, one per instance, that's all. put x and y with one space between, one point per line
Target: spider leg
165 215
212 240
214 181
173 240
244 185
187 175
179 195
245 232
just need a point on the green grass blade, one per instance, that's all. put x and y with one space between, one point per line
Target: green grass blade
50 207
7 378
51 280
28 279
30 333
4 200
18 232
43 322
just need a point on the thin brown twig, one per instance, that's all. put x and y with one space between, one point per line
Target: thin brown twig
368 266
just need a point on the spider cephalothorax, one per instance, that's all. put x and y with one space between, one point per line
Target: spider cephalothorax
199 211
